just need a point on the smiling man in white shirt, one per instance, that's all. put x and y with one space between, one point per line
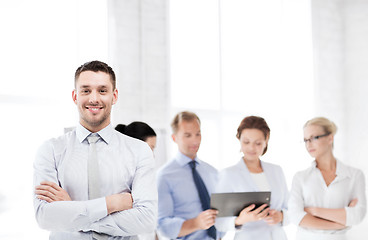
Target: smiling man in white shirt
127 202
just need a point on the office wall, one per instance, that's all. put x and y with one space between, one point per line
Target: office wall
138 48
138 39
340 40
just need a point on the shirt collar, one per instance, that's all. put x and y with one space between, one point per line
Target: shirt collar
242 166
184 160
105 133
341 170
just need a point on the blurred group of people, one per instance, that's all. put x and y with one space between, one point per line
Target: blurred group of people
325 200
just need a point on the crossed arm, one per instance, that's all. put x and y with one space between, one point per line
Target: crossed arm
326 218
115 215
51 192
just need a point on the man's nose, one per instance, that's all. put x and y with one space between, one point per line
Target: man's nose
196 140
93 97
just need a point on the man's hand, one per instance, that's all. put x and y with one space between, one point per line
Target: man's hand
51 192
206 219
273 217
119 202
250 215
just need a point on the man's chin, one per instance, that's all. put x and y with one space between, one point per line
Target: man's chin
94 122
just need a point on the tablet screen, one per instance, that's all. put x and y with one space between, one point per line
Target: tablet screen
231 204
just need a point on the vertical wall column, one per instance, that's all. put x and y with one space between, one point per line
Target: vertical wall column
329 69
356 74
138 51
340 36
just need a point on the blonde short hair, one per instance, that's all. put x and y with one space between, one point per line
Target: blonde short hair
327 125
183 116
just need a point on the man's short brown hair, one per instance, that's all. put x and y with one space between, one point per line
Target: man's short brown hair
96 66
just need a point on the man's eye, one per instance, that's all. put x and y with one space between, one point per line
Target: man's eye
85 91
103 91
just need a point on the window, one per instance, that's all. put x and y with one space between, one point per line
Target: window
42 44
231 59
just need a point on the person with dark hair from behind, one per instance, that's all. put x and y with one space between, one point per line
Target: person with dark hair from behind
139 130
144 132
93 182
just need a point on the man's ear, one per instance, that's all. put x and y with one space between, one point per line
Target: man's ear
115 96
173 136
74 96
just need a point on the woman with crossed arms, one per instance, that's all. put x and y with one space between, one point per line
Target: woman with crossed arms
328 197
251 174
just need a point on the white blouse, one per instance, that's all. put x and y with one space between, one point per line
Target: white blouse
260 180
310 190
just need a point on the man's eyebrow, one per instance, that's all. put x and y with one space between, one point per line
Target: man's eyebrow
100 86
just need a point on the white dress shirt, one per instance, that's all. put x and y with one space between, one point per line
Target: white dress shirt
125 165
310 190
238 179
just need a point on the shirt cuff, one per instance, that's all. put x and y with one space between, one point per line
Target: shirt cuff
170 227
285 217
96 209
224 224
349 216
296 217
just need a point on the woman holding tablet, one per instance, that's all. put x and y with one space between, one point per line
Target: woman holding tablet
328 197
251 174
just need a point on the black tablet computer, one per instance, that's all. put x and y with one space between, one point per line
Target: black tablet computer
231 204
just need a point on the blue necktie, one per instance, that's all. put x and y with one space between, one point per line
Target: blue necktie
203 195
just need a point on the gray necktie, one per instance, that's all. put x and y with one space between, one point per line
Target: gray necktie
94 176
93 170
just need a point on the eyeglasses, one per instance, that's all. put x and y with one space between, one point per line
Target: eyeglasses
313 139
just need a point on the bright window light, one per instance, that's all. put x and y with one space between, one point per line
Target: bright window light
42 44
231 59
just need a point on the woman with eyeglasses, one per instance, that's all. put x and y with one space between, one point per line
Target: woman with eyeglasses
251 174
329 197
